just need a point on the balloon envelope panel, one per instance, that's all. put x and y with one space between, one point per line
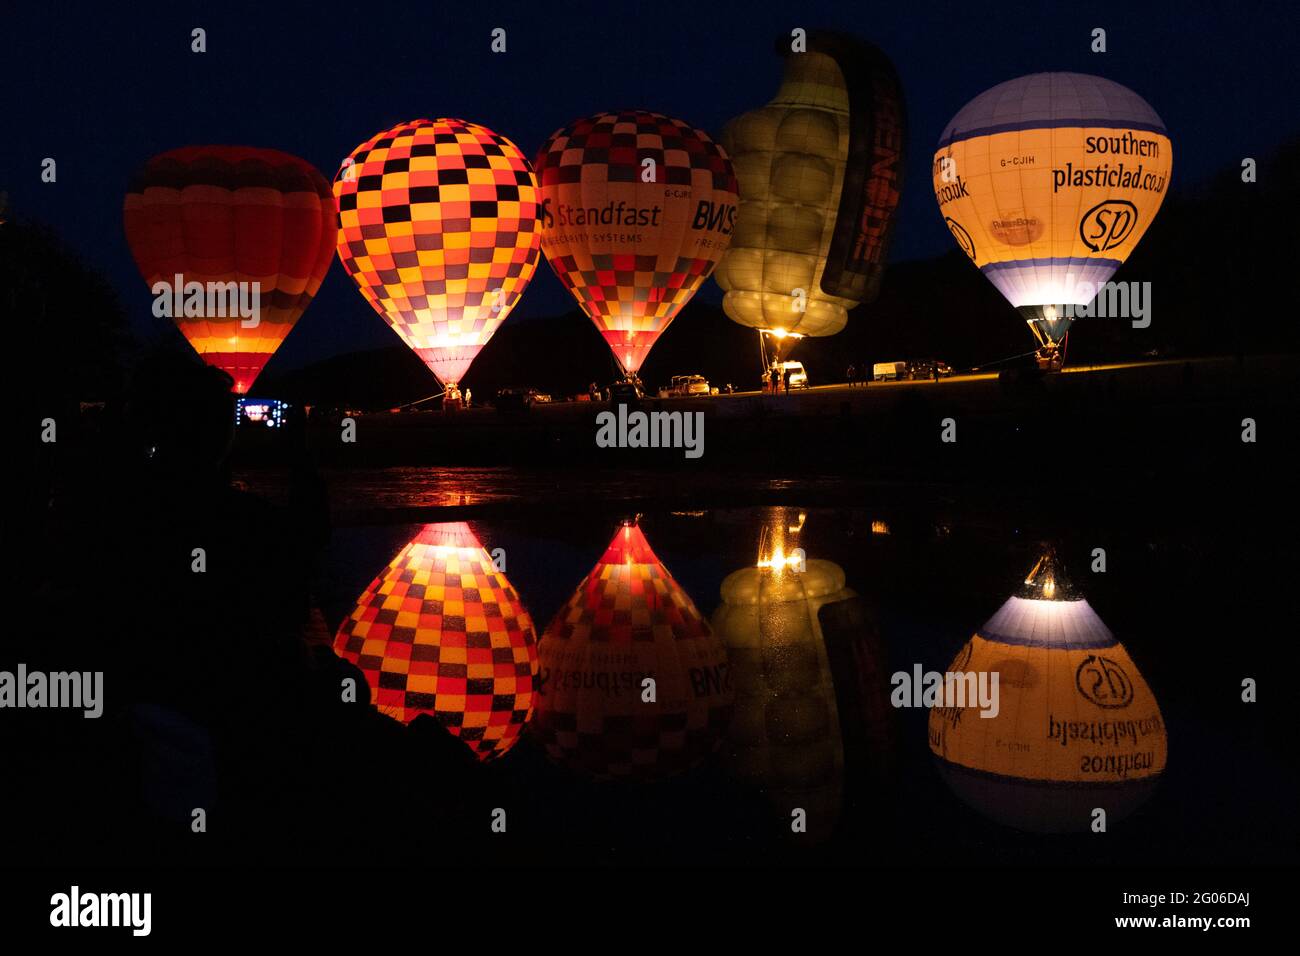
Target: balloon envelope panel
438 228
632 252
440 631
1049 181
241 214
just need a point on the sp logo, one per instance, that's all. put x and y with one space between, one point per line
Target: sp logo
1107 224
548 218
962 236
1103 682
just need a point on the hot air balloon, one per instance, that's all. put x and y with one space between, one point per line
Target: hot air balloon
1047 183
629 621
216 215
637 208
1077 728
440 631
811 705
821 171
438 228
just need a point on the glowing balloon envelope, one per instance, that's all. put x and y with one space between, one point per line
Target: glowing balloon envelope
438 228
440 631
784 736
1076 726
629 621
221 215
637 209
811 704
1047 183
821 171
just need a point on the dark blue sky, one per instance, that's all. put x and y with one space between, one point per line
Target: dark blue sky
102 93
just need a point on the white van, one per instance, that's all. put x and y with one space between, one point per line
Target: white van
884 371
798 377
686 385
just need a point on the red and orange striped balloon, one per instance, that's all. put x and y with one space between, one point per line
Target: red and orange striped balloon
221 214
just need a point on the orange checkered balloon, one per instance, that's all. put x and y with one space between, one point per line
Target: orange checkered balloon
440 631
438 228
629 621
637 209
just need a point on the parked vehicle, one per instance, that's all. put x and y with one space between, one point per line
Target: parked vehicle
798 376
684 385
517 397
887 371
928 368
625 393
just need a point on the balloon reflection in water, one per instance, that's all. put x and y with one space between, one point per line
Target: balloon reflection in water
440 631
1077 728
806 664
628 621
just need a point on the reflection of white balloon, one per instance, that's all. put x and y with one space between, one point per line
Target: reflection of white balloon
1047 183
1076 728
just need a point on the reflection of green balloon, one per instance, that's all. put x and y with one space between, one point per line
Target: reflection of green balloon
784 736
820 169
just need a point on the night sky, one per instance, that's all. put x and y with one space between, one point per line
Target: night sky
103 93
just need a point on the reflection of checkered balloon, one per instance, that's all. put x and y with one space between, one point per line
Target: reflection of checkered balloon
438 228
440 631
627 621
